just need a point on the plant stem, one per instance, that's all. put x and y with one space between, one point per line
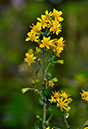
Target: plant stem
49 63
44 105
83 124
65 120
44 114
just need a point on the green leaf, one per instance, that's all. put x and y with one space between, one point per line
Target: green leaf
51 115
49 74
36 73
52 62
45 92
41 101
36 124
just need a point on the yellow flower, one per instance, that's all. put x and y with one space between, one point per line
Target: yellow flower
60 61
36 28
24 90
42 21
38 49
48 15
30 51
56 94
84 95
29 58
33 82
52 100
60 45
39 61
57 14
37 80
32 36
46 123
63 104
55 79
64 95
50 83
55 26
46 42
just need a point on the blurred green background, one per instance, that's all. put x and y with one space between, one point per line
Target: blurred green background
17 110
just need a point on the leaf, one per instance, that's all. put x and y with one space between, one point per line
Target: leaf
49 74
45 92
36 124
36 73
52 62
41 101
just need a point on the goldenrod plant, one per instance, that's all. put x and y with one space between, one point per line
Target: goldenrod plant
49 48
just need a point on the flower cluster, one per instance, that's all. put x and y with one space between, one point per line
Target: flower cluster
84 95
62 100
48 24
50 82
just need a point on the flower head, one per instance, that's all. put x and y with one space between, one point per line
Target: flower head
30 58
84 95
46 42
24 90
42 20
52 100
32 36
55 26
55 79
57 14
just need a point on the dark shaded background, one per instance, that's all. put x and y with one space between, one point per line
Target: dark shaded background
19 111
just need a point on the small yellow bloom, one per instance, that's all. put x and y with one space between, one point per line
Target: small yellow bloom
62 104
44 80
46 42
29 58
57 14
64 95
52 100
60 45
56 94
33 82
38 49
37 80
84 95
50 83
35 90
47 124
36 28
38 116
48 15
55 79
30 51
42 21
32 36
39 61
55 26
60 61
24 90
